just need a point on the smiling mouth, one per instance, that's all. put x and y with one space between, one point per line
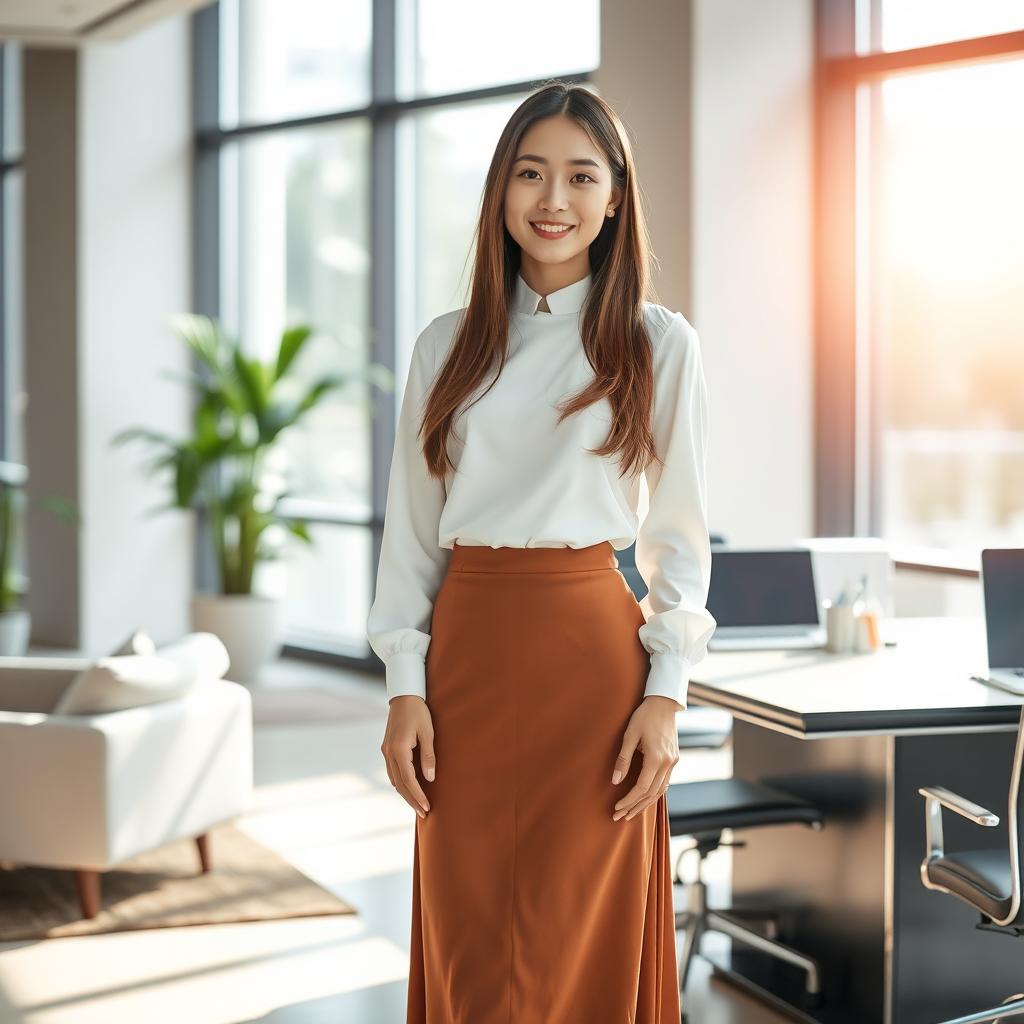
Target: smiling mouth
551 229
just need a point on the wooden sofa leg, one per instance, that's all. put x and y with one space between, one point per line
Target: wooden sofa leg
203 842
88 885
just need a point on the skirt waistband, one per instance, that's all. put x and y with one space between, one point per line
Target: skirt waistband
484 558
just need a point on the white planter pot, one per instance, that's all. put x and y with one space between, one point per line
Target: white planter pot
14 632
249 625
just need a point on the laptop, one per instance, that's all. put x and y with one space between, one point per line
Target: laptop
764 599
1002 578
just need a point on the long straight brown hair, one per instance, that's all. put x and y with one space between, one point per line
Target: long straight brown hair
613 332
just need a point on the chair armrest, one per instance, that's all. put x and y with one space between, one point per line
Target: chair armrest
964 807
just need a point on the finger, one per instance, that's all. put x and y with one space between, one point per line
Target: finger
427 760
648 775
625 758
412 784
401 788
646 794
637 793
656 793
645 801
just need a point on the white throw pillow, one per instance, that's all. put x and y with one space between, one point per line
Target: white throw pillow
203 653
125 681
139 642
122 681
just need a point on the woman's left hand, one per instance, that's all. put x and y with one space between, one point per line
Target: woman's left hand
652 729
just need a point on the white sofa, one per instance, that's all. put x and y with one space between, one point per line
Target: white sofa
86 792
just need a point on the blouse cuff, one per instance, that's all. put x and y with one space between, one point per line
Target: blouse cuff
669 677
405 674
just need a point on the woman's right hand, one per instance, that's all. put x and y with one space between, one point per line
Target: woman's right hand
409 724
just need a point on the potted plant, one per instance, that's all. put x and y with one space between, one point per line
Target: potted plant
15 619
243 405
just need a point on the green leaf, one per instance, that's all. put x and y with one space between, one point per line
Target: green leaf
292 341
202 336
316 392
298 527
186 477
251 378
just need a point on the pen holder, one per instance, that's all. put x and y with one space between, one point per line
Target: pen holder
840 627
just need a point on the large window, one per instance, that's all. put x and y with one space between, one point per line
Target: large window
341 153
921 275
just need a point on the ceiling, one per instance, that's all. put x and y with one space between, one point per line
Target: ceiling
73 22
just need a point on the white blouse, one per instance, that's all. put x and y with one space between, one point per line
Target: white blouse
522 481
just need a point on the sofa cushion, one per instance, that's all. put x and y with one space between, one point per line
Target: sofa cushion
124 681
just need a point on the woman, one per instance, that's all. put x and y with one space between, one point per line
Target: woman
537 696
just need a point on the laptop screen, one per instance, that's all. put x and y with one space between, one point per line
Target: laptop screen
1002 577
763 588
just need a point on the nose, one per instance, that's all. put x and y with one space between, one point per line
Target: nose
554 197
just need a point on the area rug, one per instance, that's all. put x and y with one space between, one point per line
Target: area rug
165 889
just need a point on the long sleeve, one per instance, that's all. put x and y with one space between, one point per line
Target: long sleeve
673 547
412 563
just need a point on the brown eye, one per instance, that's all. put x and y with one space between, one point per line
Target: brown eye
581 174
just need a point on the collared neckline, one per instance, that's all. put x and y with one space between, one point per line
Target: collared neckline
567 300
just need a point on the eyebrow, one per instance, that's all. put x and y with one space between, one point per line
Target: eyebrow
586 162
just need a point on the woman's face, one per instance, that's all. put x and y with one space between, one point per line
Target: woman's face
559 178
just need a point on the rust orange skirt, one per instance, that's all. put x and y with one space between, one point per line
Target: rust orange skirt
530 904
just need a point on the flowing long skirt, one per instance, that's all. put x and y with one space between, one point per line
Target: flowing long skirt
530 904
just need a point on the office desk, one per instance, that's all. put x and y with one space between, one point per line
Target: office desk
858 734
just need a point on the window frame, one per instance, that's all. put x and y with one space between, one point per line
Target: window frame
384 112
10 164
847 415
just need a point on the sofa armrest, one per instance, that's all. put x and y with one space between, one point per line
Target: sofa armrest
36 684
89 791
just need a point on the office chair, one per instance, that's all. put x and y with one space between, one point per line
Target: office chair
989 881
702 810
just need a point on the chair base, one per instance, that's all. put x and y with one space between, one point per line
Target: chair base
698 918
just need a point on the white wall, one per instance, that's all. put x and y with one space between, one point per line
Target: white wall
645 75
752 283
134 263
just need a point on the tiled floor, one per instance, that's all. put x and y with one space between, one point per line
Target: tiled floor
323 800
